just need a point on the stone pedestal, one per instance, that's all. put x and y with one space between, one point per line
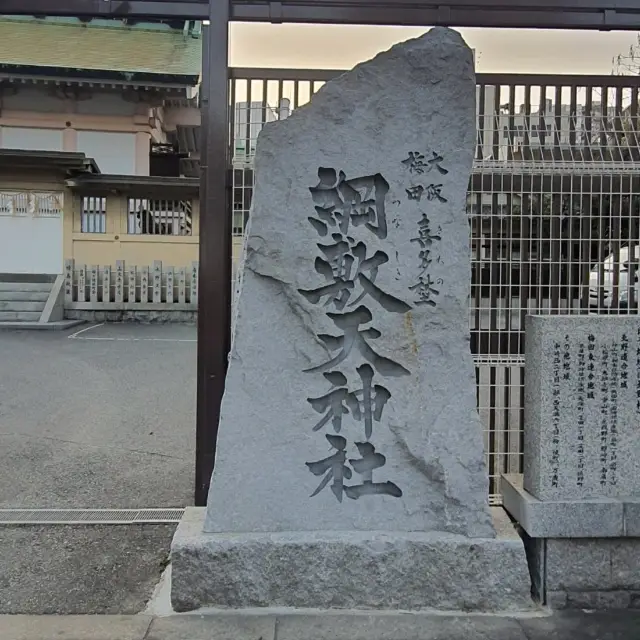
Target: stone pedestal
349 468
349 570
579 498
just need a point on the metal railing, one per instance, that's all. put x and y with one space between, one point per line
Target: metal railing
159 217
553 206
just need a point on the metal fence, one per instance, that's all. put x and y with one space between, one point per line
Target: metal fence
553 206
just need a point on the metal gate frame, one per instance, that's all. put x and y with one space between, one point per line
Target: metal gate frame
214 317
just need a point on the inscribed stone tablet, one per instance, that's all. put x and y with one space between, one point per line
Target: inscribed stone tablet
582 406
350 395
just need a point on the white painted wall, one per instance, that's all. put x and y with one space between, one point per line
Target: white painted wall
113 152
31 139
31 244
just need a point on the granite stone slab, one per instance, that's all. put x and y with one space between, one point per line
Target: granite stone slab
582 407
356 570
632 517
578 565
625 564
594 518
350 396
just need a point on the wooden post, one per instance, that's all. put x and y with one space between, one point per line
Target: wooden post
157 281
106 284
93 283
120 281
194 283
214 293
144 285
68 280
182 285
82 284
131 285
169 279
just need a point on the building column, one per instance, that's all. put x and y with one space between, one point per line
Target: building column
143 149
69 139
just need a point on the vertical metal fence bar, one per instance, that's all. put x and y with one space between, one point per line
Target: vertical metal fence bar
604 125
542 120
496 123
480 119
512 121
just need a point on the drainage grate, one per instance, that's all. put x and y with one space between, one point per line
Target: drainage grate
90 516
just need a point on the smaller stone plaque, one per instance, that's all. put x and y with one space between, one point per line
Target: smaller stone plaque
582 407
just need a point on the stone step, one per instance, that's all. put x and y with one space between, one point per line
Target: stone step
20 316
23 296
21 305
60 325
25 286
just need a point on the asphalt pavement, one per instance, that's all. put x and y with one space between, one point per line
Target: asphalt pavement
98 417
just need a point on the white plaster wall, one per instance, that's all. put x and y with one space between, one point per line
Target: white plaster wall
31 244
31 139
113 152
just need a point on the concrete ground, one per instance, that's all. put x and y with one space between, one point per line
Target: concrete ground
565 626
96 418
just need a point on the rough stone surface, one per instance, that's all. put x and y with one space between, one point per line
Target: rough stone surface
625 563
598 573
594 518
574 565
346 570
580 446
363 188
632 517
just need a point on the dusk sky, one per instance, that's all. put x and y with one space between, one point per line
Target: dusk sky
341 47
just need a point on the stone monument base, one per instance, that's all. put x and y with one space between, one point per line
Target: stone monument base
348 570
582 553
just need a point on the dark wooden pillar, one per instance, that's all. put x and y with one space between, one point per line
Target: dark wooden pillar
214 301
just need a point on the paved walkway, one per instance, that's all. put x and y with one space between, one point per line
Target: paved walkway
98 417
624 625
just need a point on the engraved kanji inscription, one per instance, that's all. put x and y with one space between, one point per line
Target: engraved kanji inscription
346 210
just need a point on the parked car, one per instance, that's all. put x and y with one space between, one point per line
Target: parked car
601 296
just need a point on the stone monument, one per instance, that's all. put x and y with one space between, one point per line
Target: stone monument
350 468
579 497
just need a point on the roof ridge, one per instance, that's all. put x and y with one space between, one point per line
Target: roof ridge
121 27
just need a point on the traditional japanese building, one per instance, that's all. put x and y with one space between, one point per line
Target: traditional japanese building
122 92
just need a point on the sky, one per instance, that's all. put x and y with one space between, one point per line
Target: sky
497 50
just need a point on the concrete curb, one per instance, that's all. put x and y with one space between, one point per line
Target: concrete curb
335 625
74 627
61 325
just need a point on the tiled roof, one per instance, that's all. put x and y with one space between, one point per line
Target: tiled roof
78 46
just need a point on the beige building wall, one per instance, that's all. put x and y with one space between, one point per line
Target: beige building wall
80 119
116 244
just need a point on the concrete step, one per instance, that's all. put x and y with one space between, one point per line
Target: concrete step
20 316
60 325
23 296
15 305
25 286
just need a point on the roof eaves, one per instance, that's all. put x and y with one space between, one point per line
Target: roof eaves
98 76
